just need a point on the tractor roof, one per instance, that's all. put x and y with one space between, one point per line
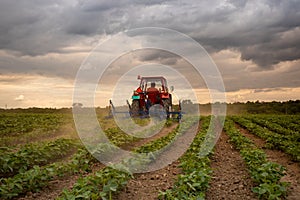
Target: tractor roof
153 77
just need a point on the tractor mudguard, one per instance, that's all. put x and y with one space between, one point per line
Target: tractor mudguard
165 96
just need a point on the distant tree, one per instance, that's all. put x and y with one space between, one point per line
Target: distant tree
77 105
274 107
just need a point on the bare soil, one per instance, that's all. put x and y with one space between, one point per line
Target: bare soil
146 186
292 168
230 178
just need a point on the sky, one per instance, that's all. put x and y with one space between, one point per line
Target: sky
255 44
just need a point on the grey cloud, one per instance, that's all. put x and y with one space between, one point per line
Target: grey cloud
98 6
78 25
31 27
238 3
283 47
45 66
103 5
158 56
235 80
257 29
265 32
94 17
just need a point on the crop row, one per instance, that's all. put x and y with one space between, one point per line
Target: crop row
272 126
106 182
287 143
38 177
19 161
290 122
105 150
194 181
265 174
118 137
14 124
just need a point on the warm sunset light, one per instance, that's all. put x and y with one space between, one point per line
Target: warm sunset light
150 99
254 44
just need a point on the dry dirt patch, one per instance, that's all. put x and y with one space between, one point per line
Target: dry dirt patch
230 178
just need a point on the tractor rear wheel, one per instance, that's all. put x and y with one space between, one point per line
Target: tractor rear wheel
135 108
167 104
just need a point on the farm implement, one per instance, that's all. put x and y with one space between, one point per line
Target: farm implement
151 98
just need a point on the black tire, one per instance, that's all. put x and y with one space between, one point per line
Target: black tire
167 105
135 108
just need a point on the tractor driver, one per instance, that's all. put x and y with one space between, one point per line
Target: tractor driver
153 94
152 88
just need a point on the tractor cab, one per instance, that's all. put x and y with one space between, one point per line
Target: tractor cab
159 83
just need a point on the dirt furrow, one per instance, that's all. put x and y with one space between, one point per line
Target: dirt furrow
230 178
146 186
292 168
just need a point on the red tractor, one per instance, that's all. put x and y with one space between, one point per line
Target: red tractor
153 90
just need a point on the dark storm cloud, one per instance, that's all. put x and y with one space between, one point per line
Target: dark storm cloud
283 47
156 55
37 27
264 32
102 5
28 27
